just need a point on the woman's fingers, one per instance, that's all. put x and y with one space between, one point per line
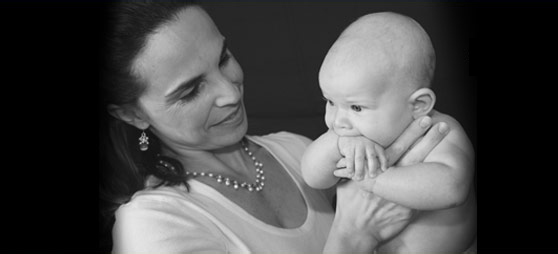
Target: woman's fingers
423 147
415 130
366 213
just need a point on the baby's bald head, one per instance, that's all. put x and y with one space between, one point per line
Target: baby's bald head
386 42
375 77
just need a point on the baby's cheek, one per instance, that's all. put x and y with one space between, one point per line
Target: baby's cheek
328 120
369 131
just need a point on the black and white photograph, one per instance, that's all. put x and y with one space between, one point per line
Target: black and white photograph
277 126
218 118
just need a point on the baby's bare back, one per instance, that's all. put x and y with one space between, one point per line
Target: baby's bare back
450 230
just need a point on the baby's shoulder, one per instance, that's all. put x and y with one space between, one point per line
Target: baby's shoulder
457 134
438 116
454 125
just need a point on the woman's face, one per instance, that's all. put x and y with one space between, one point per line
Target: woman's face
194 89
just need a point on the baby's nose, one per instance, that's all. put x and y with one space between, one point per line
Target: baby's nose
341 122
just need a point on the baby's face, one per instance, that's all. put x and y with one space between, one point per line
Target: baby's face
363 97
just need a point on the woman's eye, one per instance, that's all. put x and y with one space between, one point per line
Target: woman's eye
191 95
356 108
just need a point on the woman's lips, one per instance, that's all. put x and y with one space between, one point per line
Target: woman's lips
230 117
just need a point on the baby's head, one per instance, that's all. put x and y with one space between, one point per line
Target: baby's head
376 77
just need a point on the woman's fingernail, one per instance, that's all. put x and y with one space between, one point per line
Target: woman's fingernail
443 128
425 122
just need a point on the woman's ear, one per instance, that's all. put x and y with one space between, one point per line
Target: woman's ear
129 115
422 102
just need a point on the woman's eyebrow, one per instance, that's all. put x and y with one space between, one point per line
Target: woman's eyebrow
193 81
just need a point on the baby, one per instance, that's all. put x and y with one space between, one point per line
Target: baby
375 80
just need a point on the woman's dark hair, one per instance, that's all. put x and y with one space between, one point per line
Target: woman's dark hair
123 167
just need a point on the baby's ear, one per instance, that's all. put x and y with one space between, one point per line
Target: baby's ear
422 102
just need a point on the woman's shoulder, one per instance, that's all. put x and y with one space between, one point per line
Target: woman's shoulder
154 198
287 146
160 200
285 138
156 206
164 219
284 142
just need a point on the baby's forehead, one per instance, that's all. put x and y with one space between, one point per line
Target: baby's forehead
351 59
398 36
354 50
387 27
355 77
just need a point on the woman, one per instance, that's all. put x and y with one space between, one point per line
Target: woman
183 172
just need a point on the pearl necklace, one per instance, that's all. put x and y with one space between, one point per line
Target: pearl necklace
258 185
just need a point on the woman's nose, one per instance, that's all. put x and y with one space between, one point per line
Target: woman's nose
230 93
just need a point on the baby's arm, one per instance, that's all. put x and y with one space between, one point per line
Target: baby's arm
319 161
441 181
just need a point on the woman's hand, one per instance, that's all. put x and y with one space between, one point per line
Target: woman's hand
411 146
364 220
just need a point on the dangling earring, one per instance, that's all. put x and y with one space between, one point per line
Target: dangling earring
144 143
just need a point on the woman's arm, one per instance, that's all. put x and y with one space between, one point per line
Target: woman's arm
319 161
362 219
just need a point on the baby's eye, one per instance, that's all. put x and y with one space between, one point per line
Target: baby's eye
356 108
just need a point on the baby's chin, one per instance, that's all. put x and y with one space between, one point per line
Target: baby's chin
346 133
382 141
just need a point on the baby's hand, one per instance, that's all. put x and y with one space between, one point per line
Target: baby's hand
360 155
